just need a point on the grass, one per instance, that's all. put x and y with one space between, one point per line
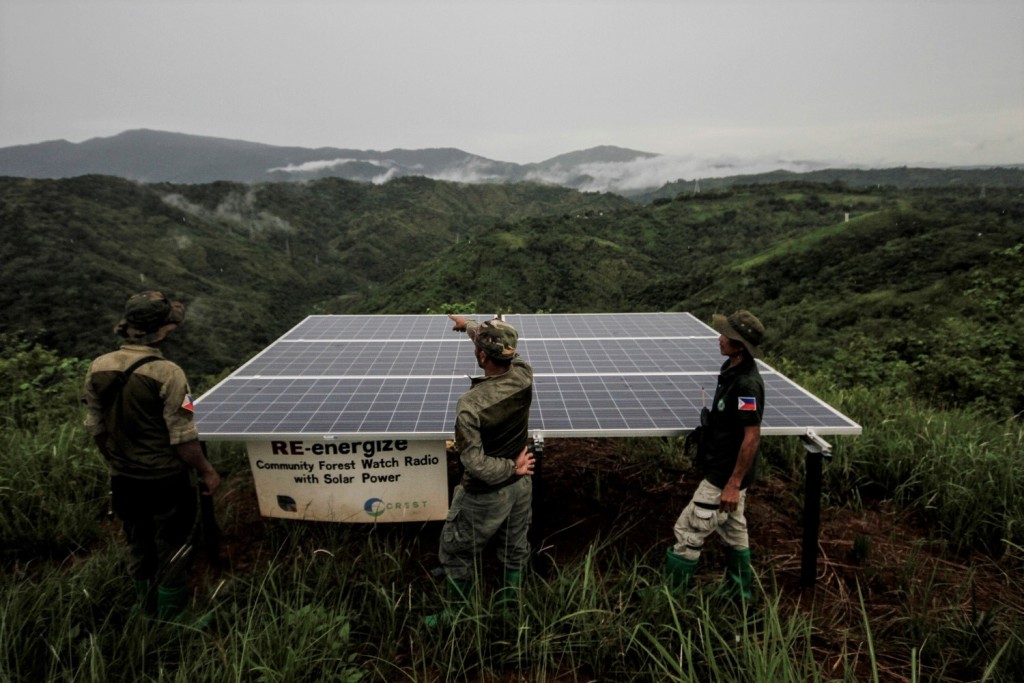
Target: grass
958 469
53 486
306 615
346 603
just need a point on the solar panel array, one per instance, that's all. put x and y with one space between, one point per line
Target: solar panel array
611 374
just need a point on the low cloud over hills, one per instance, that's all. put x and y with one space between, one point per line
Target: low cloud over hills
154 156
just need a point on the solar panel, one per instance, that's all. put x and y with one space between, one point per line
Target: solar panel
609 374
608 325
371 328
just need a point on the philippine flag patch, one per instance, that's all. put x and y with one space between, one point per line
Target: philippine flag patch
747 403
186 403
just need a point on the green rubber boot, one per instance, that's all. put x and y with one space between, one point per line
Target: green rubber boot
678 571
171 601
171 604
507 600
456 603
739 575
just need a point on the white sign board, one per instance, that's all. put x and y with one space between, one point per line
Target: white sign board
376 480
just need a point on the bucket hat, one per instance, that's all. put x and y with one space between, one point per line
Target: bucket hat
742 326
149 317
496 338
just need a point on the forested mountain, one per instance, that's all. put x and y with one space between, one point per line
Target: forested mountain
921 289
900 177
250 260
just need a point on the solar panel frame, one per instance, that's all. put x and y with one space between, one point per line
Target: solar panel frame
595 375
377 328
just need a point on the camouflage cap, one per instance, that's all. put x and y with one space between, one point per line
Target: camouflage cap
149 317
496 338
741 326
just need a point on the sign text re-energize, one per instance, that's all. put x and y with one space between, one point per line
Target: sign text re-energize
367 448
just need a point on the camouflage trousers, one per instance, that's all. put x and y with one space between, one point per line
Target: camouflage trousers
474 518
702 517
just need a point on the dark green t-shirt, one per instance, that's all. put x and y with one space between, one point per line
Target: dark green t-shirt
738 403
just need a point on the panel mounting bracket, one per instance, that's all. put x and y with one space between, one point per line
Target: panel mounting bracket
815 444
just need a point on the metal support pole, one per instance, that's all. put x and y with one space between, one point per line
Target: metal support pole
542 562
817 450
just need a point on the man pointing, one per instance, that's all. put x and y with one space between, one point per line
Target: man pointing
495 494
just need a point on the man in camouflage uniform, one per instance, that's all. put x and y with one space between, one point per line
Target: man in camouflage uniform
727 459
139 411
495 495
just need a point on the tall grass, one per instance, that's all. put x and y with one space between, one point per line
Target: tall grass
346 603
53 491
354 611
53 483
963 472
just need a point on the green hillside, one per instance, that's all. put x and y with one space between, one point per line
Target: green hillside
902 308
917 288
629 258
249 260
902 177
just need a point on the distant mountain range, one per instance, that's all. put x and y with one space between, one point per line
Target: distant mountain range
155 156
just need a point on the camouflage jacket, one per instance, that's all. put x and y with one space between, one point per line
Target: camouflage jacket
491 427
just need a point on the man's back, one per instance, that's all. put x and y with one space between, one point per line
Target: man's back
502 406
143 419
492 422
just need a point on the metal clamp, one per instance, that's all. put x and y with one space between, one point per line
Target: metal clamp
815 444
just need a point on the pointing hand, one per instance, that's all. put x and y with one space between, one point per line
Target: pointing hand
460 322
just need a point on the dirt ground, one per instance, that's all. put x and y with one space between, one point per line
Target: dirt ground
589 488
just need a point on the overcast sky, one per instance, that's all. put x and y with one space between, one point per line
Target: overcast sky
866 82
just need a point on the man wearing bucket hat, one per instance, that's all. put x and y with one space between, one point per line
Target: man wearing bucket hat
726 459
139 412
494 497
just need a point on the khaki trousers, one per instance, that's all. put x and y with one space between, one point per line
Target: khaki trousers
702 517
